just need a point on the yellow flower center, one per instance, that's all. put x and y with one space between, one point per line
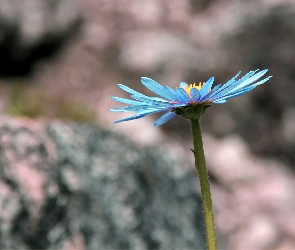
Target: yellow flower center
193 85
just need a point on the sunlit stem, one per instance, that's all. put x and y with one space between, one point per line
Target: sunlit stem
200 164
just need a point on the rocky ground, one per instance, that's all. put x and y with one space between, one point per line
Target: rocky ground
69 186
249 141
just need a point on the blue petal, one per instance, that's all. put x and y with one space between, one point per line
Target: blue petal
220 101
164 118
155 87
159 99
262 81
235 94
250 80
182 96
183 85
195 94
231 84
125 109
135 108
231 81
206 87
211 93
127 101
139 114
146 99
169 91
130 91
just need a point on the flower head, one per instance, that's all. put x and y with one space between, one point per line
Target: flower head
185 99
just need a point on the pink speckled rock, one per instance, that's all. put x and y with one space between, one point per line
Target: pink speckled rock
70 186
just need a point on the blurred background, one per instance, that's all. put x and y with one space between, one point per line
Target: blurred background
62 60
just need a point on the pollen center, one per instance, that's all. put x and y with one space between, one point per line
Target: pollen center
193 85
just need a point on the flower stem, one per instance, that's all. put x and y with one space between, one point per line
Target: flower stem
200 164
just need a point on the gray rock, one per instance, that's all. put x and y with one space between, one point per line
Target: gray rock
31 30
76 186
270 107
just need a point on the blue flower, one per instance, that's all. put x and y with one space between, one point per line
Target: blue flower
184 96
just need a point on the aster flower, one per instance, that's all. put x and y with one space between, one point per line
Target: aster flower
186 99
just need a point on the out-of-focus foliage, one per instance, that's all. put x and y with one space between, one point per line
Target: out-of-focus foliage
30 101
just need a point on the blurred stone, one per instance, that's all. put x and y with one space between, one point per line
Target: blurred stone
66 186
262 233
158 51
265 41
31 30
253 197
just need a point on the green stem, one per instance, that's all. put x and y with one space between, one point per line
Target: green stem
200 164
